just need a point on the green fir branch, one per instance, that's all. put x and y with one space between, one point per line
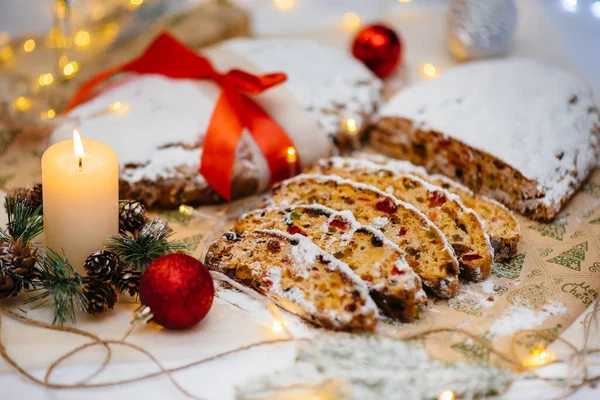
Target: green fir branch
152 242
59 286
24 221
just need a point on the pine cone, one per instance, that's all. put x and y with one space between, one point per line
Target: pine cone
99 296
102 265
17 261
132 215
33 194
128 280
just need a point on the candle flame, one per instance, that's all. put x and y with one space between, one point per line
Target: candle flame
78 147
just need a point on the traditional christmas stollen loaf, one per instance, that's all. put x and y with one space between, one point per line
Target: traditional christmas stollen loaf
461 226
519 131
159 131
298 276
500 223
394 286
425 248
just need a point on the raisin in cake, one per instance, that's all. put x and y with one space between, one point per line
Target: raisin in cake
298 276
500 223
394 286
158 133
425 248
462 227
519 131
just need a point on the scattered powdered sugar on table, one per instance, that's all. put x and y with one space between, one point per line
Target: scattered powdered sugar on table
517 318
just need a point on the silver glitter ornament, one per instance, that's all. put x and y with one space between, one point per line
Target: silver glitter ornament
480 28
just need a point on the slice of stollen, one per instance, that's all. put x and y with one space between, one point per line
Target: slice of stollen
425 248
394 286
462 227
299 276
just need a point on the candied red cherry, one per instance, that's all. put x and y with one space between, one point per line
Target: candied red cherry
396 271
386 205
436 198
336 223
293 229
402 231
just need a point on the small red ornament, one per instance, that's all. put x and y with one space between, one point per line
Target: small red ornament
379 48
178 289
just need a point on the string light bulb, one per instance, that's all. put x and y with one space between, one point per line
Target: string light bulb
186 210
351 21
539 357
404 1
22 103
277 326
291 155
82 39
283 5
447 395
70 69
46 79
48 114
29 46
429 70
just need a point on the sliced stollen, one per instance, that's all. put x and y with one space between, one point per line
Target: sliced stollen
425 248
394 286
486 125
298 276
461 226
500 223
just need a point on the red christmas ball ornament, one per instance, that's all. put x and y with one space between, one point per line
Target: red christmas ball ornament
178 289
379 48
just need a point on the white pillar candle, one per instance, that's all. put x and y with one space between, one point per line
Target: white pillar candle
81 197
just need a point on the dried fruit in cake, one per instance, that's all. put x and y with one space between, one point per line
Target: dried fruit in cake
462 227
500 223
486 125
425 248
298 276
394 286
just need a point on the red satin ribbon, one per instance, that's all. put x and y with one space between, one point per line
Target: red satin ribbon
233 112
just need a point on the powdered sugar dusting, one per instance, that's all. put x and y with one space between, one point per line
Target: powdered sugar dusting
517 318
496 106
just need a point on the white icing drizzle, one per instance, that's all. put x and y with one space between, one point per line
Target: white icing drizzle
535 117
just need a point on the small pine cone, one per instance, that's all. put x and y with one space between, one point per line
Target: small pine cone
17 261
33 195
128 280
132 215
99 296
102 265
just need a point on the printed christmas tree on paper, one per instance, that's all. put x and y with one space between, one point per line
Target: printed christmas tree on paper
193 241
571 258
473 350
555 229
510 269
595 221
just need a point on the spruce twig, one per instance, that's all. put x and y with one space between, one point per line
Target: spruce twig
59 285
152 242
24 221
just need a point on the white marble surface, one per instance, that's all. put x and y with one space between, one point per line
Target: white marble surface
566 32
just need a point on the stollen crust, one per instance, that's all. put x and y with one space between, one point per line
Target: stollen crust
425 248
298 276
394 286
519 131
461 225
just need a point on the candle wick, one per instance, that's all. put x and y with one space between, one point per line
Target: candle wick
80 167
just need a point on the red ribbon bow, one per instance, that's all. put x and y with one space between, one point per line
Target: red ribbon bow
233 112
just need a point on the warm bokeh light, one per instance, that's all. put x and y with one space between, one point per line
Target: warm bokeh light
29 45
48 114
404 1
6 54
135 3
185 209
284 5
70 69
429 70
350 125
539 357
277 326
82 39
4 38
351 21
110 32
22 103
291 155
46 79
447 395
